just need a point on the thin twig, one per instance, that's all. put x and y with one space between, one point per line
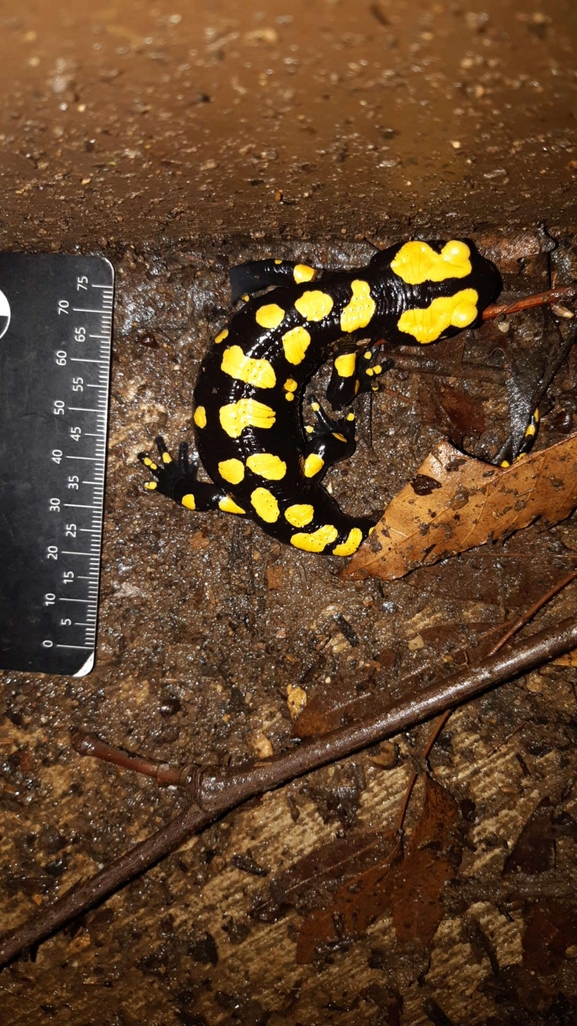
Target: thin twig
441 721
86 743
530 613
220 792
437 728
560 295
451 369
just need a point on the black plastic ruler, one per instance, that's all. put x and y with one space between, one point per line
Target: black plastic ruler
55 342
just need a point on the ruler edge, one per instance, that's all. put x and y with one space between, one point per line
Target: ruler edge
90 661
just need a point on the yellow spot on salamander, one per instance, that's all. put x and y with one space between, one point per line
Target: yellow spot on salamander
351 544
258 373
536 416
359 311
313 464
166 457
270 315
189 501
228 505
200 417
345 365
235 417
428 324
267 465
314 305
222 336
350 416
315 407
317 541
231 470
339 437
150 463
150 486
300 514
291 385
265 505
416 262
531 431
295 344
289 397
309 429
303 272
278 261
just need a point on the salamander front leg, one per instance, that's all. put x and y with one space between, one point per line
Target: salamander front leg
177 479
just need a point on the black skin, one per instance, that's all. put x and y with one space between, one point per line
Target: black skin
287 438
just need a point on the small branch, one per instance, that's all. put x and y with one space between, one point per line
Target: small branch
86 743
560 295
533 610
437 728
218 793
440 722
426 365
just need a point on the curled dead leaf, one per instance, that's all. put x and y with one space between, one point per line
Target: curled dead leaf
455 502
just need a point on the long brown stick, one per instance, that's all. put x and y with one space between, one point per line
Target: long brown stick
563 294
219 793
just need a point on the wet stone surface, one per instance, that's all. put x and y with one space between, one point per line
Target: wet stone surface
289 121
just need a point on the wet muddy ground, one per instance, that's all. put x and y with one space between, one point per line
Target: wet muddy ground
141 122
178 140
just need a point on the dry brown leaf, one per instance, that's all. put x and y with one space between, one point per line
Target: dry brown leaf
455 502
410 885
313 877
355 906
317 719
432 856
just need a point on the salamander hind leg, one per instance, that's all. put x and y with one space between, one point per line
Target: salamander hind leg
329 440
510 452
177 479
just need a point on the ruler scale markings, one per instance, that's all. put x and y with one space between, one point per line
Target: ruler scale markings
85 309
54 336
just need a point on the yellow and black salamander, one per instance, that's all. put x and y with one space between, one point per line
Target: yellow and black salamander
264 462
